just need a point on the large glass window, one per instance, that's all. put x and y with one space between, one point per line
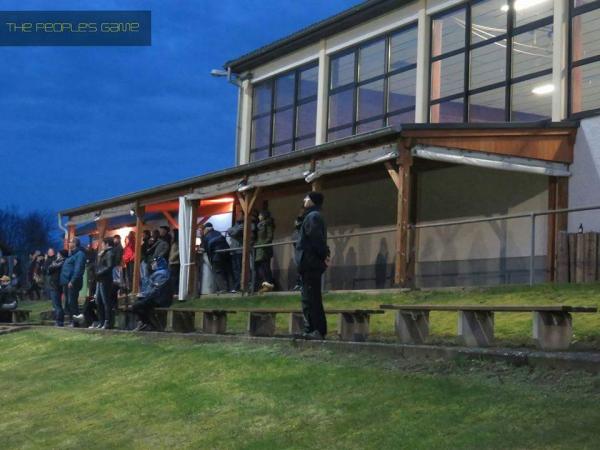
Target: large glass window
284 113
584 92
373 85
491 61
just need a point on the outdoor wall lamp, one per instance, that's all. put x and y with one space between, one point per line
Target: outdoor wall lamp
310 176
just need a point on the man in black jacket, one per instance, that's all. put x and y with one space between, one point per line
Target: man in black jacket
311 255
219 261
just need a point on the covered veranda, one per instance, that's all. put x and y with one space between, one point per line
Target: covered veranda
377 185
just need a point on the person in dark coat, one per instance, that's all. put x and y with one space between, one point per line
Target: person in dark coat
16 274
158 294
219 261
146 259
162 246
263 255
311 255
35 276
236 239
90 268
104 276
8 294
71 276
174 264
56 289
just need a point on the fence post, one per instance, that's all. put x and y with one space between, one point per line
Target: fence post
532 254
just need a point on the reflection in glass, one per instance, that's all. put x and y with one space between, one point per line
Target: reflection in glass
527 11
339 134
259 154
585 90
448 32
283 125
284 90
405 117
585 40
342 70
488 20
261 130
306 118
305 143
532 51
262 98
449 111
282 149
369 126
488 65
370 100
340 108
403 49
371 60
308 82
532 100
402 89
487 106
447 76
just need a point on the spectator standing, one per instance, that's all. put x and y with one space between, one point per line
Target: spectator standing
311 255
129 260
104 275
236 239
145 262
263 255
56 290
162 246
90 268
220 261
71 277
174 264
35 276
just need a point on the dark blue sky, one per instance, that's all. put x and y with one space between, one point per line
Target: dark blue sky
83 124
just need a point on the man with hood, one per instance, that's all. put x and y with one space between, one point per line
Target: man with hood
311 255
158 294
71 276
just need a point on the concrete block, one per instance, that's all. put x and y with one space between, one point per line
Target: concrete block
214 323
476 328
261 324
180 321
296 323
412 327
552 330
354 327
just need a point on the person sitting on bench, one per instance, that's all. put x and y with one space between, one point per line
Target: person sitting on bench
158 293
8 294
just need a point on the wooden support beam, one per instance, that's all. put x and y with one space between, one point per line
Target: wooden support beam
101 226
70 235
393 174
193 278
247 203
405 162
171 220
137 261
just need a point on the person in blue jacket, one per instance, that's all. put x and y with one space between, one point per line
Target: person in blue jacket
157 294
71 277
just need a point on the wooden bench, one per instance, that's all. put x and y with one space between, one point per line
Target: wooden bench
552 325
14 315
187 320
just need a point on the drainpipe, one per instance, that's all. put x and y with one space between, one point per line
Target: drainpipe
62 227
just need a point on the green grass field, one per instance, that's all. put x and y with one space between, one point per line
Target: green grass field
65 389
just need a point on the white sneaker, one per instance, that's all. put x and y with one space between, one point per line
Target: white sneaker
78 318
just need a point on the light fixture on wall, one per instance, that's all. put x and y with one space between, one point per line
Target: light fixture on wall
310 176
97 216
387 156
243 186
543 89
132 212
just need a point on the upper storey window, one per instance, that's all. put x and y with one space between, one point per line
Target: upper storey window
284 113
585 58
491 61
373 85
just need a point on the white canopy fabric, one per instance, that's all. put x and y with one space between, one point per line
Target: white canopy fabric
185 230
491 161
102 214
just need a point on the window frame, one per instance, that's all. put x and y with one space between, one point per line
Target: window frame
356 84
575 11
512 31
296 103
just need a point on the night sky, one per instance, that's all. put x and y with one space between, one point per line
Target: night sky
82 124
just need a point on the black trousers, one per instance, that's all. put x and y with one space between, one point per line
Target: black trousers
144 309
312 303
263 270
222 272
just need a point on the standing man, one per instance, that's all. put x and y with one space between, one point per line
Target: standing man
311 255
71 276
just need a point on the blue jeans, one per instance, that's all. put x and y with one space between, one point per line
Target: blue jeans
72 295
104 301
144 275
59 313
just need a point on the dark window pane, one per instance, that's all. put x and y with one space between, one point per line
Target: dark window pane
447 76
262 98
448 32
261 129
402 90
305 143
340 108
339 134
585 89
260 154
488 65
586 40
369 126
488 19
283 125
307 85
371 60
577 3
532 100
307 118
405 117
342 70
532 51
370 100
282 149
450 111
403 49
284 90
527 11
487 106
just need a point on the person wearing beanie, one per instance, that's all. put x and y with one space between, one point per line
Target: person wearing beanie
311 255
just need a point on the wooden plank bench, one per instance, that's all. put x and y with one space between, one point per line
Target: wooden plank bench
187 320
552 325
14 315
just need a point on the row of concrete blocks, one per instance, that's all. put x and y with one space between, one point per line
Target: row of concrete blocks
14 315
551 330
352 326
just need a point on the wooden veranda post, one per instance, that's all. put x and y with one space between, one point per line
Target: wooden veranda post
247 203
193 278
405 162
137 261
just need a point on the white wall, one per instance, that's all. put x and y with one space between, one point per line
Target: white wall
584 184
